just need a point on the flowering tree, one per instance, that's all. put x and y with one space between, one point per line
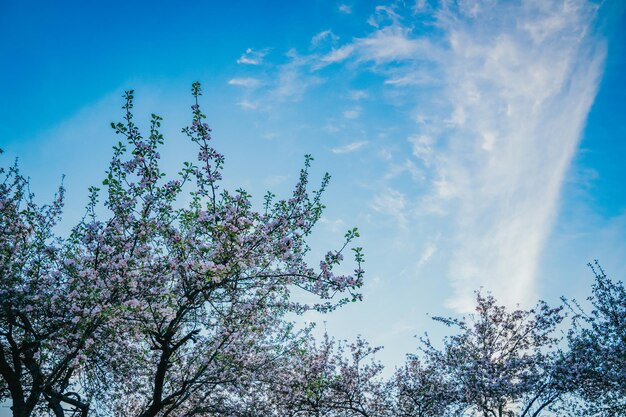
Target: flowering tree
161 308
170 296
329 379
597 341
39 334
503 363
424 390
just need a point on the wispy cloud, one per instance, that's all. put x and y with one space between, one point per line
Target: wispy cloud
393 203
331 127
344 8
334 56
352 113
423 148
350 147
247 105
391 43
279 82
384 14
357 95
294 77
407 166
499 92
251 57
413 78
322 37
427 253
245 82
510 85
517 94
421 6
388 44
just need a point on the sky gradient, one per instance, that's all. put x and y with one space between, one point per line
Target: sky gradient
476 144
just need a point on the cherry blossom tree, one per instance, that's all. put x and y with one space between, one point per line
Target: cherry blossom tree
421 389
597 341
503 363
330 379
171 297
39 334
163 306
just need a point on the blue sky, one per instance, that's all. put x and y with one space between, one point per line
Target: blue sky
474 143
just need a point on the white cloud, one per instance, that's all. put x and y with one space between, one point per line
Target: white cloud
500 92
344 8
420 6
429 250
336 55
331 127
423 148
509 87
385 153
518 94
251 57
385 45
413 78
321 37
244 82
392 203
391 43
247 105
294 78
383 14
352 113
351 147
407 166
357 95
